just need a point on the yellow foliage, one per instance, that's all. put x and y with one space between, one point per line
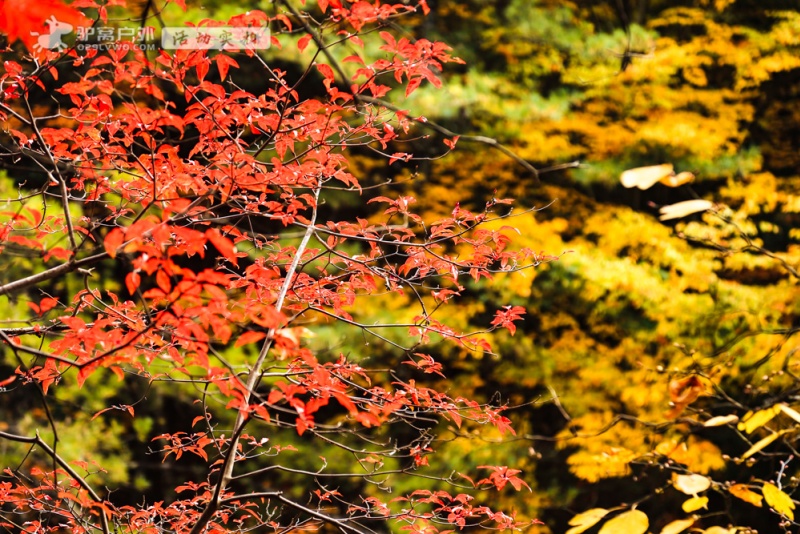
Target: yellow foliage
631 522
611 462
766 67
677 526
699 456
694 504
634 306
586 520
778 500
754 420
787 32
760 445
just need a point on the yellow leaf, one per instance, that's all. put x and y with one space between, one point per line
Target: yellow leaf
760 445
586 520
754 420
740 491
790 412
695 503
691 484
632 522
695 76
720 5
682 209
677 180
778 500
721 420
646 177
679 525
719 530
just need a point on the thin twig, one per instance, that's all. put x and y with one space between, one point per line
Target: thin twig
253 379
37 440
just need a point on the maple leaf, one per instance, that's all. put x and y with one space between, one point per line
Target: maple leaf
505 318
502 475
28 21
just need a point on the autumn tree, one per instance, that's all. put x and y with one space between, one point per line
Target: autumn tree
169 230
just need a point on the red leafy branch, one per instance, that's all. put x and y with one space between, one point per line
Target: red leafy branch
182 236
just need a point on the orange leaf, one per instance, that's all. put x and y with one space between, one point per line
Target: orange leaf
223 244
303 42
740 491
132 281
683 392
224 62
249 337
113 241
47 303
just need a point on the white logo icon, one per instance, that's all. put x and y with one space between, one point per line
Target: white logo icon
52 39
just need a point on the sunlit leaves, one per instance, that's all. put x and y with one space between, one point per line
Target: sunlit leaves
721 420
607 462
691 484
505 318
586 520
741 491
677 526
683 209
754 420
694 504
223 244
791 412
760 445
778 500
302 43
647 177
632 522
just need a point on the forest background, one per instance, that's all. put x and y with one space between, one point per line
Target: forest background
656 368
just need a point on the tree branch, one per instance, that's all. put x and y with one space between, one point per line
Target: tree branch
49 274
37 440
254 377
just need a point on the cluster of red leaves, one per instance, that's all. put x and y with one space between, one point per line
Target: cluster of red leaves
24 20
254 161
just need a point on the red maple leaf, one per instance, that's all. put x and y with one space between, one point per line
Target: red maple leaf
28 21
